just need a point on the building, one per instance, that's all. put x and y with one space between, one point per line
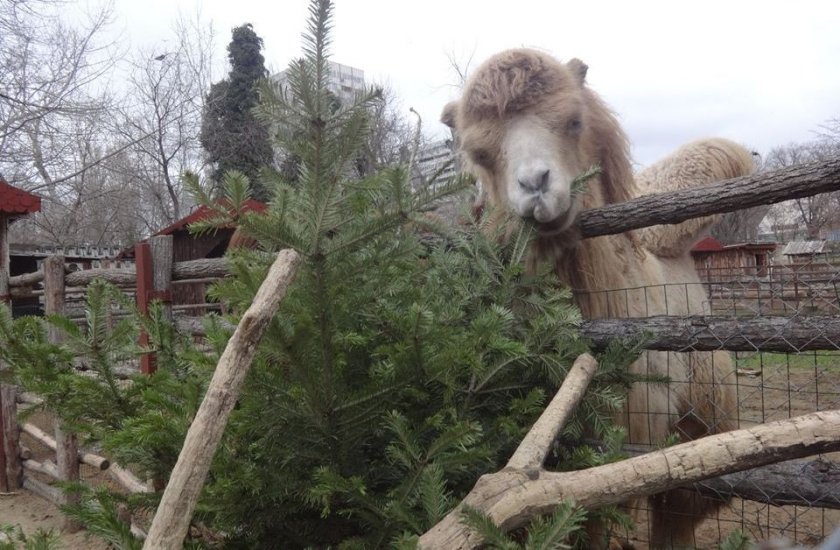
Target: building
345 82
14 204
715 261
434 165
805 252
190 246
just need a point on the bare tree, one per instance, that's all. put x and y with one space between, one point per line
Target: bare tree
49 68
814 213
52 108
162 117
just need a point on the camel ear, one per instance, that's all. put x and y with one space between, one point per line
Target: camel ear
450 114
578 68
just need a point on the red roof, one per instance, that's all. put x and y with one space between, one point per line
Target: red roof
17 201
203 213
709 244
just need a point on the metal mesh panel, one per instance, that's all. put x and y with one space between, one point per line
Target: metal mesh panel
765 386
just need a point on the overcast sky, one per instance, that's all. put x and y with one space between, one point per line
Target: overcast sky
762 73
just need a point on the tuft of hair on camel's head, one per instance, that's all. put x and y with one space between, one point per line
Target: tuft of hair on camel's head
529 127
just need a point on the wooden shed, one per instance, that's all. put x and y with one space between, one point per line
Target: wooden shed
804 252
189 246
718 262
14 203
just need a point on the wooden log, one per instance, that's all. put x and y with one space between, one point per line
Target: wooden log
66 447
789 183
25 452
513 497
4 260
711 333
46 467
5 298
10 447
534 448
127 479
161 250
204 270
27 279
176 507
199 269
123 277
144 292
44 438
43 490
814 483
67 459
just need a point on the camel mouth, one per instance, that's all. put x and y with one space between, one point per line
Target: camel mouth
548 225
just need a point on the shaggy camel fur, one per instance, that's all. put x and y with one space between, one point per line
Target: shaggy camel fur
528 126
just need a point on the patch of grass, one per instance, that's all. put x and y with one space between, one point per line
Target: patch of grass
827 361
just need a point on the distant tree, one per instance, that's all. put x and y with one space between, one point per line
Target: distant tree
814 213
162 119
230 133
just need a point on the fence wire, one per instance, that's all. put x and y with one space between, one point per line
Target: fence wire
802 506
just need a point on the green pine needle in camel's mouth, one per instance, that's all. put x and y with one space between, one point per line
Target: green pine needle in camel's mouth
579 183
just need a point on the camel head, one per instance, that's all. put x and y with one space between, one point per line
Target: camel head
529 126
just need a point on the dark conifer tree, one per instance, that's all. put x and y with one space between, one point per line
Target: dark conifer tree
230 133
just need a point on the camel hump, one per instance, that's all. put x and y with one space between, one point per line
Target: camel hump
695 164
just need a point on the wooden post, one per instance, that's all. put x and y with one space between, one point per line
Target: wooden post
5 298
10 437
162 249
67 450
154 282
143 263
174 513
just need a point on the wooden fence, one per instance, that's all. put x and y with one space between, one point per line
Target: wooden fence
154 278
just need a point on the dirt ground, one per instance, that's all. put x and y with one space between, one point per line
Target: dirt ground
31 512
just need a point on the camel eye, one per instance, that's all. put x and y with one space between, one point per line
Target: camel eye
481 157
574 126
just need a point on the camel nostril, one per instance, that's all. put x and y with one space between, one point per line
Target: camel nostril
537 181
544 180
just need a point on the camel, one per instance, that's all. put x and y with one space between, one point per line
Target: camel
527 126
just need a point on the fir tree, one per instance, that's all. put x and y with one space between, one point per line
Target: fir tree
398 370
230 133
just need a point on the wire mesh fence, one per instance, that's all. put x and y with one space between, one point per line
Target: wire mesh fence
711 391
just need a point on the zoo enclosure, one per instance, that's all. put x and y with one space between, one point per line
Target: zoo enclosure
704 333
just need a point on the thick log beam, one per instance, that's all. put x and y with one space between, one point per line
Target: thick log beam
794 182
712 333
814 483
514 497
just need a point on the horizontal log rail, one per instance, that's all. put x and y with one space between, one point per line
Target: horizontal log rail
203 270
781 185
713 333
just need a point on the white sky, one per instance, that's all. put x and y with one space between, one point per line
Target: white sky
764 73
